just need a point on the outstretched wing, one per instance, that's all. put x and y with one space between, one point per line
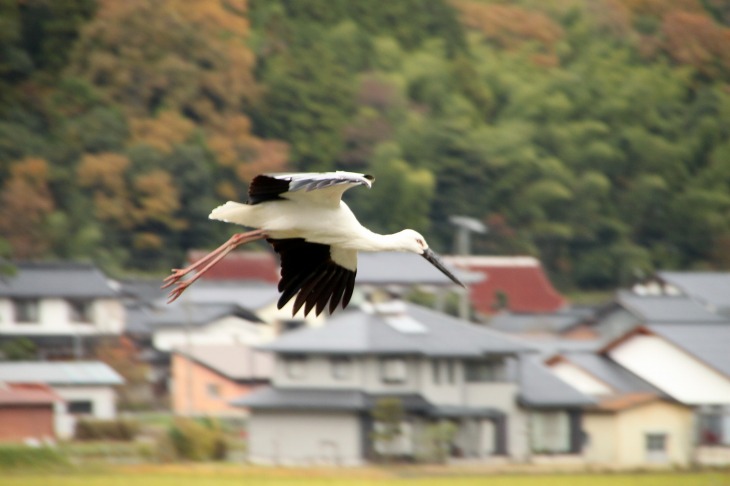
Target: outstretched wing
326 187
309 272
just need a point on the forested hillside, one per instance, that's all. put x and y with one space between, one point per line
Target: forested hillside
594 134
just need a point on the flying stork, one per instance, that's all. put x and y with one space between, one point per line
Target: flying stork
314 232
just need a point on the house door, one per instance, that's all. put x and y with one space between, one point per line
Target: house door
656 448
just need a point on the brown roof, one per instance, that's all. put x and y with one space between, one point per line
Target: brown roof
242 265
626 401
27 394
521 280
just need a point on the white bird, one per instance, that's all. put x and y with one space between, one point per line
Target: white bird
314 232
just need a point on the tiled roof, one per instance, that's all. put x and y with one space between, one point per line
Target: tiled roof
538 323
540 388
26 394
237 362
146 319
397 328
521 279
69 280
663 308
242 265
59 373
270 398
710 288
625 401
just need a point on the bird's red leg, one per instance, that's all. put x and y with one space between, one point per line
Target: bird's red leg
206 263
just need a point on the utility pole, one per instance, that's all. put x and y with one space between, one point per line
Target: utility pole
465 226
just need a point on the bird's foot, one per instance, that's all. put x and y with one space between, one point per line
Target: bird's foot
177 291
177 274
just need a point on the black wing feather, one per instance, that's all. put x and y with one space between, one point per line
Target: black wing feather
265 188
308 271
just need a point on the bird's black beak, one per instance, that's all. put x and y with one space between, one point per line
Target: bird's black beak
436 262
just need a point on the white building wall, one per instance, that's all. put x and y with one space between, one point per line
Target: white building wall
503 397
102 398
580 379
228 330
444 392
670 369
107 317
304 438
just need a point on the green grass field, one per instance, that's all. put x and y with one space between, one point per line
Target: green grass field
237 476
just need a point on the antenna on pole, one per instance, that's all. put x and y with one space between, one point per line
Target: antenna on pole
465 226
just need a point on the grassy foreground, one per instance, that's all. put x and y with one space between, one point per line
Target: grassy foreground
230 476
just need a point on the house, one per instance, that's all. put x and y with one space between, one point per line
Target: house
710 289
688 362
86 388
630 309
27 412
327 380
540 325
632 423
206 378
62 307
517 284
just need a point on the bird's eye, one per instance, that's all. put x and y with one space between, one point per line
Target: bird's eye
420 242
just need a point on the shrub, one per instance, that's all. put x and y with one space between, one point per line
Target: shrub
120 429
198 441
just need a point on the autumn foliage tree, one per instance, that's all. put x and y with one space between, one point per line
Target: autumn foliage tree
25 204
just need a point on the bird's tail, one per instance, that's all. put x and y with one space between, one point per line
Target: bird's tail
232 212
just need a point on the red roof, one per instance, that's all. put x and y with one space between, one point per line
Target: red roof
242 265
27 394
521 279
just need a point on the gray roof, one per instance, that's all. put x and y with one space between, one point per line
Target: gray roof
541 388
59 373
235 361
270 398
709 343
49 279
612 374
710 288
539 323
399 328
378 268
245 294
147 319
663 308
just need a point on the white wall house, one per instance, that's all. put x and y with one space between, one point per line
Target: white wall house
691 364
63 301
86 387
327 381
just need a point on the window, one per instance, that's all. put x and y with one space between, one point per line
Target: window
80 311
295 366
393 370
550 432
27 310
656 447
213 390
436 371
714 425
341 368
292 324
450 372
80 407
484 371
656 442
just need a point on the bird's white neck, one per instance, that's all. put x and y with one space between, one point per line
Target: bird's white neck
370 241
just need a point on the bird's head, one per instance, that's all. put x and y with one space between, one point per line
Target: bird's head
414 242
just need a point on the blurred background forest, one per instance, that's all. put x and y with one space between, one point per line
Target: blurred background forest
593 134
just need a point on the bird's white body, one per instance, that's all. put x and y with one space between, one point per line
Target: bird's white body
316 235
